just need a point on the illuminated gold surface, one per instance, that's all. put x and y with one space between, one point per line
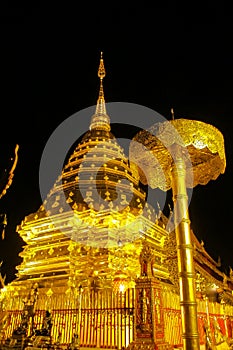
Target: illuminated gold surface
85 257
100 119
82 245
205 155
178 154
107 216
186 272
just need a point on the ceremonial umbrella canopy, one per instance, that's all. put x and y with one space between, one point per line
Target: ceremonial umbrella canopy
203 152
180 154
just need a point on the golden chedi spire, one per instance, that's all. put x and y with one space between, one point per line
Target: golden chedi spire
100 119
100 107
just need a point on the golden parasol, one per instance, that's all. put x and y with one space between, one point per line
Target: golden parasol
180 154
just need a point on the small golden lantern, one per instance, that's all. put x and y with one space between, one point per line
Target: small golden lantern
120 282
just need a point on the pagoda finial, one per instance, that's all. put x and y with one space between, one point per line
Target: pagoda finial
100 107
101 70
100 118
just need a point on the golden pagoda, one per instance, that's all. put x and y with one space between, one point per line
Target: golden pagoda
99 264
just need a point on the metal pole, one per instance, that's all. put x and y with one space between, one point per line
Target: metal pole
185 254
80 313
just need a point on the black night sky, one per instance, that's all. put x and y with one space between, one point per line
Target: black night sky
160 56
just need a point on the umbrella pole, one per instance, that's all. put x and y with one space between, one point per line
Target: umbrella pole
186 273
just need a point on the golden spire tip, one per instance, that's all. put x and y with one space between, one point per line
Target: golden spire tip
100 119
101 70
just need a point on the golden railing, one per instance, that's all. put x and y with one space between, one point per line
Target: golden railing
105 319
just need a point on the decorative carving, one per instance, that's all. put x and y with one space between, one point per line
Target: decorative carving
202 142
144 312
157 306
231 274
171 260
225 283
30 300
146 260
